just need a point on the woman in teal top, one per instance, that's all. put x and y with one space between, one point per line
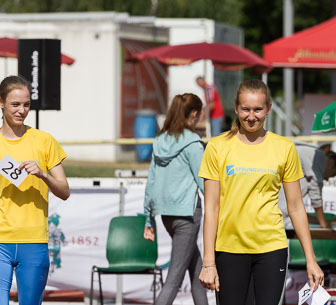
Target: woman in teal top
172 192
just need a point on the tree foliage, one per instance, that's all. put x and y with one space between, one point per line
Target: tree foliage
133 7
227 11
262 20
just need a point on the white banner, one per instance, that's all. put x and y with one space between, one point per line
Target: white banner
329 200
78 230
78 233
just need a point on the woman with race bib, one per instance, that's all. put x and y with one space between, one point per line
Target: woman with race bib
24 204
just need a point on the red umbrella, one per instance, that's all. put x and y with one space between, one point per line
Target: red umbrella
8 48
224 56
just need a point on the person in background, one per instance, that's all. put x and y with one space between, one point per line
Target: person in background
313 162
330 151
172 192
24 208
244 235
213 106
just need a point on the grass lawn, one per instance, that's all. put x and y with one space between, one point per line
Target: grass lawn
99 169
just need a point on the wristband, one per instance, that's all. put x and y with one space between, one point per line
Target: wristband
209 266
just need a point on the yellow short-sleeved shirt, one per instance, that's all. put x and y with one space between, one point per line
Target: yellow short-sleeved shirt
250 179
24 210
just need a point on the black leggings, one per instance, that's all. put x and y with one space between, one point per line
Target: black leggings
268 271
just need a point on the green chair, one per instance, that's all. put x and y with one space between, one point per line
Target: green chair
128 252
325 250
331 218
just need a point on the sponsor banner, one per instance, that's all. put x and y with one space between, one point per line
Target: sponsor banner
78 230
329 200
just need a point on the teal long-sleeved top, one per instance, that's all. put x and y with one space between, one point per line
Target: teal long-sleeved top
173 182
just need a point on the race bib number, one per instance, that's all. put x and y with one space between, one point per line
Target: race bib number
9 169
307 296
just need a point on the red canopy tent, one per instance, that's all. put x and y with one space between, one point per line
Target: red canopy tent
8 48
311 48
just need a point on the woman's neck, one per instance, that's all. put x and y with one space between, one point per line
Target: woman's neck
251 138
12 132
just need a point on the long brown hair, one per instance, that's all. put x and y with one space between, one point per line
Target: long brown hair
178 114
251 85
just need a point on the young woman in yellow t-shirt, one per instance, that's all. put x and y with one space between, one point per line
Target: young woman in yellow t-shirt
24 206
244 235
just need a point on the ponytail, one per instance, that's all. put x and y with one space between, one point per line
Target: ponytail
234 128
178 114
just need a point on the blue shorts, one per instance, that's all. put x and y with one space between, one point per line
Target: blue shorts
31 265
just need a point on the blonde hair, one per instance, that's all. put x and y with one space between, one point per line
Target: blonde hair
252 85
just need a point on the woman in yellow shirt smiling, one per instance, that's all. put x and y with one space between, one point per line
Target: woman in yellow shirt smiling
244 235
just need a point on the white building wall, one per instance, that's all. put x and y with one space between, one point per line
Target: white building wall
90 88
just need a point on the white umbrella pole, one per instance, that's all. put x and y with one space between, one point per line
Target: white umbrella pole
119 281
207 115
6 67
288 73
264 78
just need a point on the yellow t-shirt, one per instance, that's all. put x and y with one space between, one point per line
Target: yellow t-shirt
24 210
250 176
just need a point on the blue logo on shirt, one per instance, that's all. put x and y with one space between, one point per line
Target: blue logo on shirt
230 170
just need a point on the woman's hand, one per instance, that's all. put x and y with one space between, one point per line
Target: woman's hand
32 168
56 181
149 233
315 275
209 278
